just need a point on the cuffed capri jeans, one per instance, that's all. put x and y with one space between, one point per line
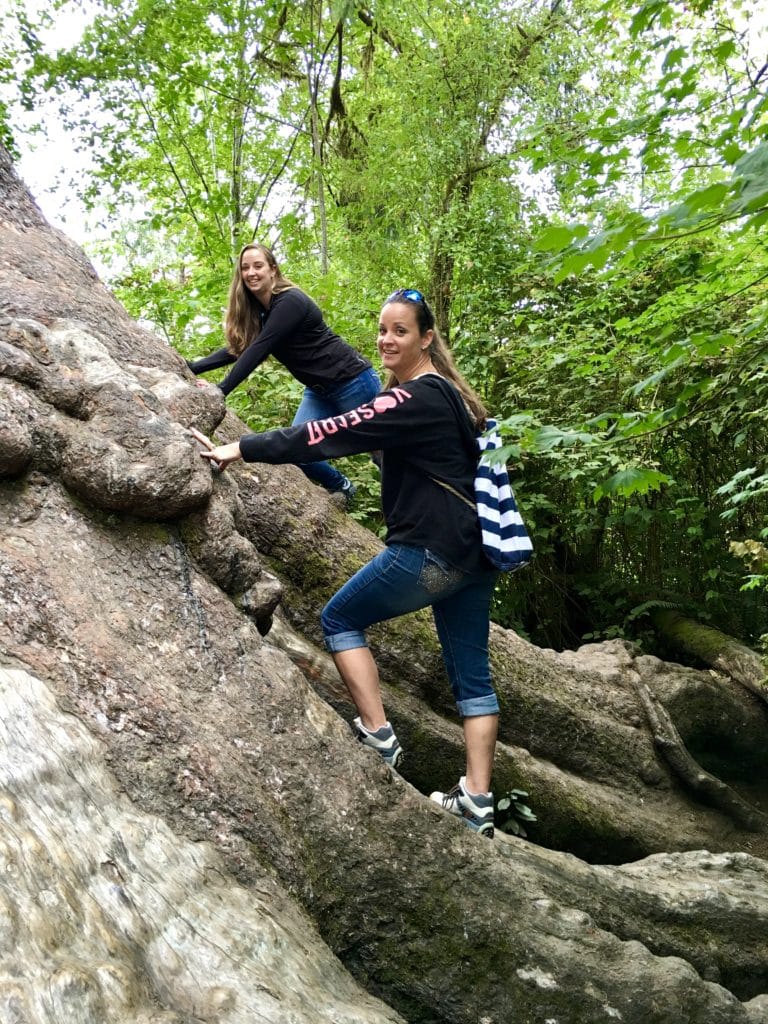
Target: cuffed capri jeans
403 579
321 404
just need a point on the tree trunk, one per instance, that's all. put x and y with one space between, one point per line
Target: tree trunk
714 648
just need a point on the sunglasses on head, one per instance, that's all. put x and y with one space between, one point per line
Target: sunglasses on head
407 295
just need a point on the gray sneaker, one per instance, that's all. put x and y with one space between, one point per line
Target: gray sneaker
476 809
383 741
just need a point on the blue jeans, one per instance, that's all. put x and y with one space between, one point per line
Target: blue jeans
403 579
334 400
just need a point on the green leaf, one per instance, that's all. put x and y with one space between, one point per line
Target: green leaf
725 50
546 438
573 265
674 56
645 16
658 376
731 152
757 221
633 480
555 238
707 198
751 177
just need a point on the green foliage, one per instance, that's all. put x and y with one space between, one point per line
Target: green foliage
512 813
9 44
749 486
649 320
631 480
578 188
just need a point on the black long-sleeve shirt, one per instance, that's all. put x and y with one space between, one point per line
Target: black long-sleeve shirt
425 434
294 332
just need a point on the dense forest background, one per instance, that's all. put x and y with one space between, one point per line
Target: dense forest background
579 188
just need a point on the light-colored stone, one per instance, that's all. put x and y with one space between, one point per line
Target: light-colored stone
106 915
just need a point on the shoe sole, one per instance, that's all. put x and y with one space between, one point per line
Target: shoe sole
395 761
485 829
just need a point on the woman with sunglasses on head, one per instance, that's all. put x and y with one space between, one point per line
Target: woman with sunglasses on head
267 314
425 422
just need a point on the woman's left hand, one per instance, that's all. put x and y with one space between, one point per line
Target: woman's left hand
220 456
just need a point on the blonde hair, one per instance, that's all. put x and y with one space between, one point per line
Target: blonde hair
242 322
441 357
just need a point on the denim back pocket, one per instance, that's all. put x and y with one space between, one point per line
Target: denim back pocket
436 574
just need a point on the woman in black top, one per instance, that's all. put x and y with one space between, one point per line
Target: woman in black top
267 314
426 424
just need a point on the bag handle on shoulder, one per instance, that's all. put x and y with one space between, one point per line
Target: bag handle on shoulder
458 494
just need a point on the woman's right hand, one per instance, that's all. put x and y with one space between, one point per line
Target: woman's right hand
220 456
224 454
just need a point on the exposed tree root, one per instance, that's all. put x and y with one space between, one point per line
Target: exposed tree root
715 792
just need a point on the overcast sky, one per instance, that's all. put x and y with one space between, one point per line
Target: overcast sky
47 166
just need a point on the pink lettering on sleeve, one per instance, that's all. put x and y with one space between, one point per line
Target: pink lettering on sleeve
384 402
314 432
318 430
401 394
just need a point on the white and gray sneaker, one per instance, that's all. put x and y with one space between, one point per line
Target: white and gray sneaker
476 809
383 741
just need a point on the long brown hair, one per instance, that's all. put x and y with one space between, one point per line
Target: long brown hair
242 322
441 357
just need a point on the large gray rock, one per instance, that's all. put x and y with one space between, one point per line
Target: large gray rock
137 587
107 917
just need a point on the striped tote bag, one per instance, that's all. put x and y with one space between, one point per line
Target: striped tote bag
506 543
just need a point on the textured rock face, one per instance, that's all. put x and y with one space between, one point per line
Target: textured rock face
107 436
107 916
181 796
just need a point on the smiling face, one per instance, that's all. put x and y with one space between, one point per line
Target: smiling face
404 350
257 274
